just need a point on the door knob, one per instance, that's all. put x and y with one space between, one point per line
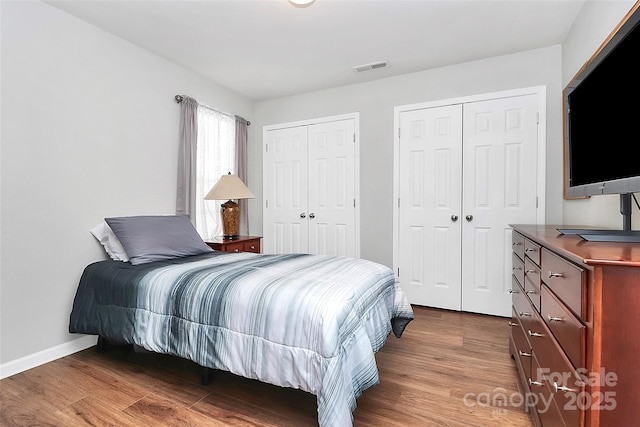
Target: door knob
303 215
312 215
469 217
454 218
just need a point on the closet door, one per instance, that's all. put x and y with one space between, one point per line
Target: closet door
331 173
310 183
429 264
465 172
286 227
500 177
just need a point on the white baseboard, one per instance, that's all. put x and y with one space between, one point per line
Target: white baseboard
40 358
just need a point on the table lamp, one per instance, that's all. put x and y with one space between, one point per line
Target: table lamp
229 187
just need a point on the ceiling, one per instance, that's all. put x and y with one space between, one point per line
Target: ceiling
267 49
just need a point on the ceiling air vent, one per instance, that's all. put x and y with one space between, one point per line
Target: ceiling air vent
371 66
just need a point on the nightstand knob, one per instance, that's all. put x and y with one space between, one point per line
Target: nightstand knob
236 250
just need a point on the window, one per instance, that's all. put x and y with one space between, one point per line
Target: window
215 156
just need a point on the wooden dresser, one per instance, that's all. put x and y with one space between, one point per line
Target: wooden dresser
575 327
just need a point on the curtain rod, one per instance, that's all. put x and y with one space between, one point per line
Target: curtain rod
179 99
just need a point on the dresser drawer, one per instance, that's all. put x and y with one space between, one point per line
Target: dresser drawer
532 271
566 328
521 344
537 332
517 244
566 280
532 250
558 375
532 291
521 306
517 268
544 402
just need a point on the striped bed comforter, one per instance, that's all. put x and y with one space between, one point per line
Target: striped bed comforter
304 321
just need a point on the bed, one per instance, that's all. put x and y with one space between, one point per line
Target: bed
304 321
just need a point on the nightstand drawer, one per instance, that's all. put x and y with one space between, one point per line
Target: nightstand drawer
251 246
234 247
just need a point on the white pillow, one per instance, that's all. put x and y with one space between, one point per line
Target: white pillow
108 239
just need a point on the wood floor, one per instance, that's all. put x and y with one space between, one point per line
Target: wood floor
446 370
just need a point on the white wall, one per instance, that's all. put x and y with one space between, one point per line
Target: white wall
596 21
89 129
376 100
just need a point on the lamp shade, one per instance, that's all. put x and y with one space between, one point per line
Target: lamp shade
229 187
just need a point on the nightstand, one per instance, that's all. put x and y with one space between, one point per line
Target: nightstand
241 244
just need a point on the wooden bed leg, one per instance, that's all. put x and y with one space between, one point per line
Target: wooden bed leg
102 344
206 375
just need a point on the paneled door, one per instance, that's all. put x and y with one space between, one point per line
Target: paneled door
499 188
310 174
430 177
466 171
286 227
331 174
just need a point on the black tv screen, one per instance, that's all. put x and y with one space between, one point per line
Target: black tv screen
602 112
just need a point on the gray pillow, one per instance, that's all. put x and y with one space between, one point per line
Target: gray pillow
149 238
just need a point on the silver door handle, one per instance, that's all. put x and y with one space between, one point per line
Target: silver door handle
469 217
303 215
454 218
312 215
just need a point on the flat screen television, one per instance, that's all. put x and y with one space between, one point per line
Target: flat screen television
602 124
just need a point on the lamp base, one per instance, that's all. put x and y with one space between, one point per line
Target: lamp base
230 220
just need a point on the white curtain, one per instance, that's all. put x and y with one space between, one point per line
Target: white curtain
216 155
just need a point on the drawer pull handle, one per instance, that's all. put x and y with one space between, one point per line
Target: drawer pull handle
236 250
524 314
552 274
529 249
511 291
529 271
522 353
253 247
557 388
554 319
531 382
534 334
513 324
530 292
516 244
517 268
